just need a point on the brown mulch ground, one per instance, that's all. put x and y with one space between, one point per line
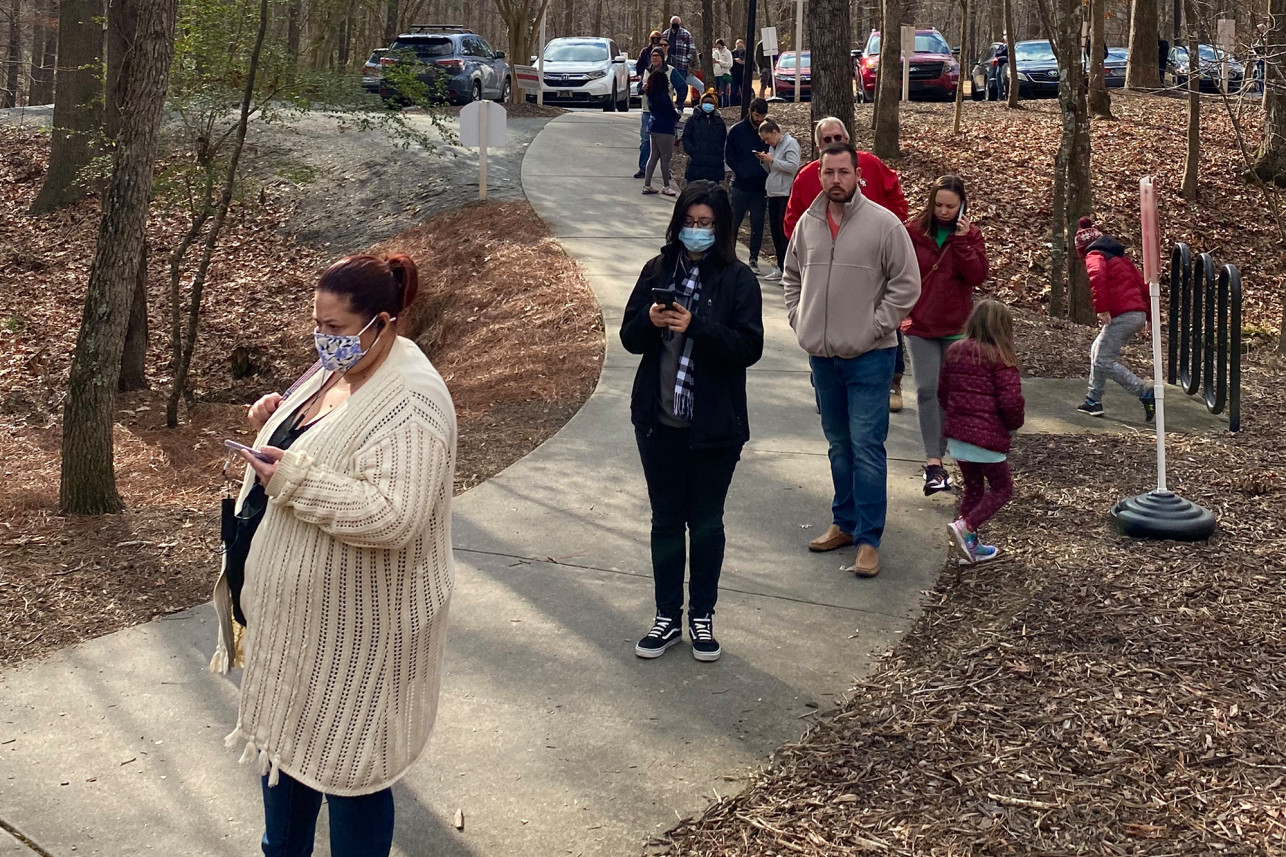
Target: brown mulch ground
66 579
1087 694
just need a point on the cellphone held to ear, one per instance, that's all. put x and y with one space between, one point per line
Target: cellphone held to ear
241 447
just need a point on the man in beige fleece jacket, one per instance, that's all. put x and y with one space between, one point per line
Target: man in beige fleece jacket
850 278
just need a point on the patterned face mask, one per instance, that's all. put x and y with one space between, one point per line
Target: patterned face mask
339 353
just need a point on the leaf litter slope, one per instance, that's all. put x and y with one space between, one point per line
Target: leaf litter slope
488 274
1089 694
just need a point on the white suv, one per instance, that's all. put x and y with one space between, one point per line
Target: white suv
586 71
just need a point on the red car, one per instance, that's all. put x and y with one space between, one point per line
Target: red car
935 72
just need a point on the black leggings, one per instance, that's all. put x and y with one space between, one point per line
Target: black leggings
777 222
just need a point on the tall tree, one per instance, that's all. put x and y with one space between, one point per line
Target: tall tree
1142 70
1270 160
1192 160
522 17
1011 67
829 40
1073 196
77 105
887 129
88 482
1100 101
44 50
13 58
964 33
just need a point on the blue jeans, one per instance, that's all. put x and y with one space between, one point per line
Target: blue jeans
359 826
853 395
645 140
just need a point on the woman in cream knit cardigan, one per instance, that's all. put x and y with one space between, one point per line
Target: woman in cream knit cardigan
349 572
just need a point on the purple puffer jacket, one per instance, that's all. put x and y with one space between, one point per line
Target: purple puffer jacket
982 402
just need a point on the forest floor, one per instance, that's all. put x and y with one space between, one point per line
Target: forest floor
487 271
1088 694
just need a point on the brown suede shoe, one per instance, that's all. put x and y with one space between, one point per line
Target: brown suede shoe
833 538
895 395
868 562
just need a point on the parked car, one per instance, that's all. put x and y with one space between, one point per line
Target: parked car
935 71
451 61
372 71
984 77
1114 67
1037 70
636 87
1209 62
585 70
784 76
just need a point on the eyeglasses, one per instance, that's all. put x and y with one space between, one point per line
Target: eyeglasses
835 138
703 223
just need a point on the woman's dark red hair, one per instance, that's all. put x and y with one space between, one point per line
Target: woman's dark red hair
373 284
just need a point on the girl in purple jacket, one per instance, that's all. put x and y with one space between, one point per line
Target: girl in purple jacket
982 402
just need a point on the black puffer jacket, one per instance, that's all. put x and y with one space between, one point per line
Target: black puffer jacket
727 332
704 136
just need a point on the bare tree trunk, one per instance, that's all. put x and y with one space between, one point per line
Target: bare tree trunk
522 18
77 107
887 118
42 73
1100 101
1142 71
829 39
964 31
1192 162
13 59
88 481
134 357
390 21
1270 160
1011 67
122 20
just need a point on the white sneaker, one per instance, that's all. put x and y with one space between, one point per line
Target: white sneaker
774 274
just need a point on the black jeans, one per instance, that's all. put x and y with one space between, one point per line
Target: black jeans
777 222
687 488
755 203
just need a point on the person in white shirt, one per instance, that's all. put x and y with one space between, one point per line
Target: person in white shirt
722 62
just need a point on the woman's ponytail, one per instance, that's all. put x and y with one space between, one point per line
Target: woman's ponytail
406 276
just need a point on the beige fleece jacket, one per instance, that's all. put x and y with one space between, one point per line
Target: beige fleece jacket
847 296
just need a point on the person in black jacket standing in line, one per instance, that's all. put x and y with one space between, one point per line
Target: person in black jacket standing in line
703 138
696 317
748 176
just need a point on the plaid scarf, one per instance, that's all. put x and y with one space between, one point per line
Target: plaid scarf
689 294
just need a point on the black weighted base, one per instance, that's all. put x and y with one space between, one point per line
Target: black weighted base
1163 515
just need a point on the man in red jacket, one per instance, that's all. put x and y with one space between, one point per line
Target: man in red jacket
1121 301
876 182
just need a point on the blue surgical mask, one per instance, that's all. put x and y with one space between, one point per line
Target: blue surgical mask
707 107
339 353
695 239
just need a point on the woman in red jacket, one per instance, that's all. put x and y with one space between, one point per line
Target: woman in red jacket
953 262
1121 301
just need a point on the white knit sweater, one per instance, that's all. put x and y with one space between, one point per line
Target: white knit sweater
347 586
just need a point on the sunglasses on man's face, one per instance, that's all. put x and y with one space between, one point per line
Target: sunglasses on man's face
834 138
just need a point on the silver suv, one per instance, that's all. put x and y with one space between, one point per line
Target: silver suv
451 62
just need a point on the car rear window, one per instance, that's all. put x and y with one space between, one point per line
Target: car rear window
576 52
788 60
1034 51
425 48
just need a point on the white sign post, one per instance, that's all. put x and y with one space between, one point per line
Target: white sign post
799 45
482 124
540 63
769 37
1226 42
908 50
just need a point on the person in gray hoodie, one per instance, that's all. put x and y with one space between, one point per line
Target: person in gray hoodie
781 161
849 279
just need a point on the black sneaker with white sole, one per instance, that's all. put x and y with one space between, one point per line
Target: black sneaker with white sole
1091 407
704 646
666 632
936 479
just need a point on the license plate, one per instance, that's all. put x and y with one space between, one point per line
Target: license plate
564 93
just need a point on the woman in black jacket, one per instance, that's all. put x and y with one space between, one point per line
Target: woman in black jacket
704 136
696 317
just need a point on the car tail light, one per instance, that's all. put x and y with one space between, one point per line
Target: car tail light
387 61
450 65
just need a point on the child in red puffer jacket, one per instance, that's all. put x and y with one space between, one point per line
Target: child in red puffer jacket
1122 303
982 402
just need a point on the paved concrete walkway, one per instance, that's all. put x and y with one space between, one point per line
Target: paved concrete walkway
552 737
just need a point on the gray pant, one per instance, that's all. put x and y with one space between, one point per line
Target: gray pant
926 357
662 151
1105 355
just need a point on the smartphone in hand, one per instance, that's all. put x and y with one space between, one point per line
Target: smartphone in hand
241 447
664 297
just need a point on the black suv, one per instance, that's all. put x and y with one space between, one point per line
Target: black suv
450 61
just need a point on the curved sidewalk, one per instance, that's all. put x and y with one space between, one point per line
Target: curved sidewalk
552 737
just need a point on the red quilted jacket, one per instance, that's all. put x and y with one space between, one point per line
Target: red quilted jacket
948 276
982 402
1115 280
